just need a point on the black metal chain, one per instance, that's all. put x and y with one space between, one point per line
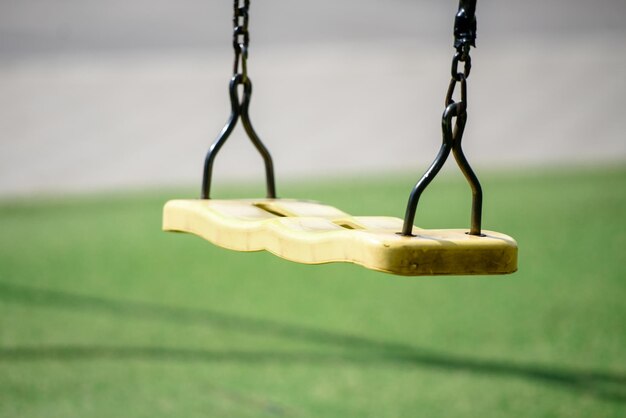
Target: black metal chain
465 24
239 105
241 37
464 39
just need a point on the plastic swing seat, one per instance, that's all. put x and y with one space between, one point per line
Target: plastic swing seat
313 233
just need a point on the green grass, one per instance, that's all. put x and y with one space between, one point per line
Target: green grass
103 315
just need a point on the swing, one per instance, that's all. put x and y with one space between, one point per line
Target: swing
314 233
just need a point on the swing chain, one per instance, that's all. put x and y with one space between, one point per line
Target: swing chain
459 78
240 104
464 39
452 132
241 38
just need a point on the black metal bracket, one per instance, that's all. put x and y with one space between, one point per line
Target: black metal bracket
451 142
465 25
239 110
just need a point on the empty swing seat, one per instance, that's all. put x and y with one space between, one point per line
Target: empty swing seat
313 233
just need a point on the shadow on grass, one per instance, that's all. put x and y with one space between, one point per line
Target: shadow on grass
362 351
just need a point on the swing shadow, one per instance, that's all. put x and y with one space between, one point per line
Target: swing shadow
362 351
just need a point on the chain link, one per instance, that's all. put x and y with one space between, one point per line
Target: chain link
464 39
241 38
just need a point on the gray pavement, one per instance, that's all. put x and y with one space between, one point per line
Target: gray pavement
119 94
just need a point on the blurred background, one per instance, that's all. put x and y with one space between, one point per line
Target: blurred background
104 95
107 109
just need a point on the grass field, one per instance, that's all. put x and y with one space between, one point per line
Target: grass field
103 315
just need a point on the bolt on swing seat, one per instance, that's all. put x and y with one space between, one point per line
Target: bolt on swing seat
314 233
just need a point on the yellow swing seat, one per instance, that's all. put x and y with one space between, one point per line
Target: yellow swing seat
313 233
